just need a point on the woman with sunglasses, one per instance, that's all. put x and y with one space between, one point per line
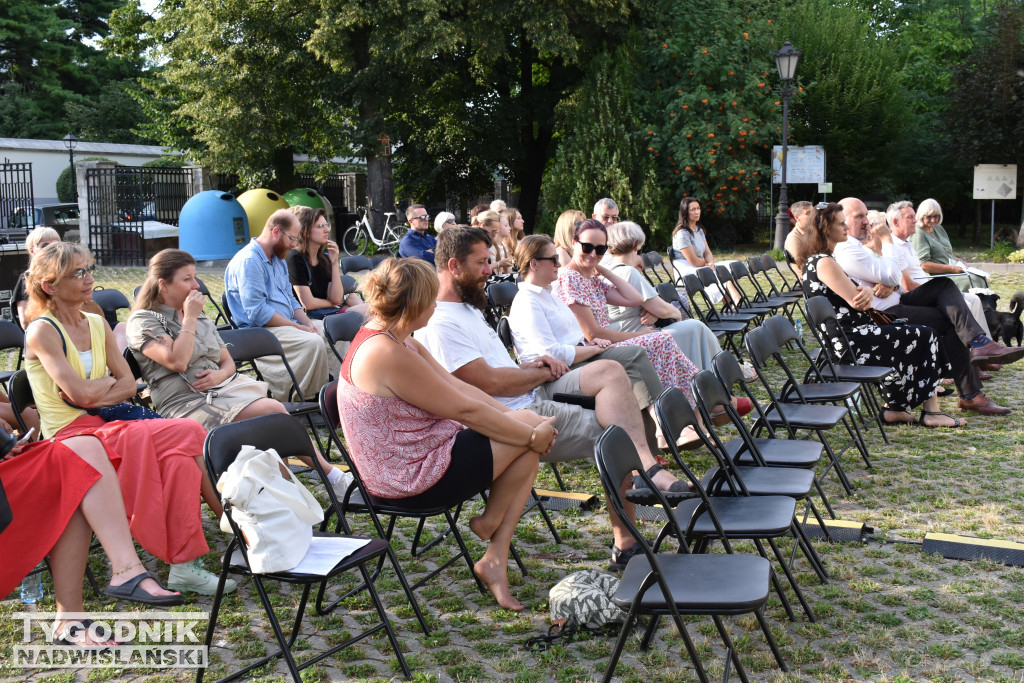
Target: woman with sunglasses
587 288
73 364
911 350
313 268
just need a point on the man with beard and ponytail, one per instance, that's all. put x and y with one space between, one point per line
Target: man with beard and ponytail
464 344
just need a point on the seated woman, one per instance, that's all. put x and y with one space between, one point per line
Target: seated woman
61 493
403 418
159 463
313 268
690 244
516 231
564 228
498 228
36 241
588 288
189 369
912 350
935 250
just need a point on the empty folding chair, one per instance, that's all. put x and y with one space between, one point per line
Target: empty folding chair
288 438
11 337
746 304
341 327
732 516
379 259
353 264
768 264
111 301
756 267
701 304
677 584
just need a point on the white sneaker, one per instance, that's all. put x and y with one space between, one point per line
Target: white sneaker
191 577
749 373
343 482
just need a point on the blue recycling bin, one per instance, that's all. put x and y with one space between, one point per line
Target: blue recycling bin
212 226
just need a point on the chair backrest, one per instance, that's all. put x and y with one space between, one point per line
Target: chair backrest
821 314
675 414
351 264
711 391
761 346
279 431
705 308
227 310
341 327
505 335
249 343
379 259
768 265
668 292
111 301
203 289
20 392
11 336
350 284
782 330
133 363
499 299
135 292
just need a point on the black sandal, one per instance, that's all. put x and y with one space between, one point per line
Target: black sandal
620 558
651 472
957 421
130 590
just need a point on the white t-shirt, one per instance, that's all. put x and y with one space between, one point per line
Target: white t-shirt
907 255
457 334
627 318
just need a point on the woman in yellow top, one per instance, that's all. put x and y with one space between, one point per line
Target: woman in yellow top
73 365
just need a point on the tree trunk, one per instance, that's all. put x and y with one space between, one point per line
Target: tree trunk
380 191
285 177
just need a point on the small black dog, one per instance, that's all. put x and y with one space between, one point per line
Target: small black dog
1003 325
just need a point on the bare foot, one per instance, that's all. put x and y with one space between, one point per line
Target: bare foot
496 580
148 584
664 480
482 530
78 632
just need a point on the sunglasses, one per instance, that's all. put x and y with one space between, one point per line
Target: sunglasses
424 217
553 259
589 248
81 273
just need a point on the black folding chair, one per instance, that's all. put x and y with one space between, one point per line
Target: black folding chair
740 274
660 583
222 320
379 259
733 515
709 315
341 327
796 403
820 316
499 300
140 381
248 344
353 264
11 337
394 509
288 438
745 307
768 265
756 266
111 301
6 514
226 310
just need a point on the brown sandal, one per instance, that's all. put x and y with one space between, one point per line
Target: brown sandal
957 421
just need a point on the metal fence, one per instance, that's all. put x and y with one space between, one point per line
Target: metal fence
17 201
122 200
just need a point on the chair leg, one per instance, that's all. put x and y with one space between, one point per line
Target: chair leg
792 579
834 462
809 552
465 551
730 650
387 622
620 643
652 626
773 575
218 596
558 476
771 641
544 513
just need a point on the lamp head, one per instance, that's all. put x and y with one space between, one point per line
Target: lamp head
786 60
70 140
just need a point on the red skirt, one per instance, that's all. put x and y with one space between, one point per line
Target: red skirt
45 485
160 482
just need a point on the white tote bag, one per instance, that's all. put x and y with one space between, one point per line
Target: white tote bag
275 513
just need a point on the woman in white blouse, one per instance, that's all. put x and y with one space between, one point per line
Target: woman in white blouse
542 324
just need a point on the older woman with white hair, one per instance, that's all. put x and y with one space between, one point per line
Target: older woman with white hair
444 219
935 250
625 240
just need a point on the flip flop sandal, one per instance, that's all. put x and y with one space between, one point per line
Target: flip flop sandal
130 590
957 421
72 634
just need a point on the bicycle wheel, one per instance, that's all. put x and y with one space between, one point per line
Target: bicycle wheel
355 240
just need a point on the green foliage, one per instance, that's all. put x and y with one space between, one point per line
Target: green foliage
66 181
1016 256
1001 252
853 83
712 116
168 162
601 151
778 254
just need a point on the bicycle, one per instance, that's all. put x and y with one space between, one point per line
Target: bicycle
357 237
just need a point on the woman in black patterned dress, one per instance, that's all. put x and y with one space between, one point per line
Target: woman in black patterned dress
912 350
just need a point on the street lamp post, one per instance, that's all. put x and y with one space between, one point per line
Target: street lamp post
70 140
786 60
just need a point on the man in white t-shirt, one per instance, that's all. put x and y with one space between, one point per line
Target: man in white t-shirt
461 341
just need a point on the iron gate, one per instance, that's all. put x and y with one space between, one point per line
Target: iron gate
122 200
17 201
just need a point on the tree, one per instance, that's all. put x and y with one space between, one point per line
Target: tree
855 100
711 112
601 148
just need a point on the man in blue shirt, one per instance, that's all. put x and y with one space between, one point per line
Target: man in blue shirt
417 243
259 294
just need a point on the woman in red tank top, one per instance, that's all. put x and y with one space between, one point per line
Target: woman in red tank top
418 434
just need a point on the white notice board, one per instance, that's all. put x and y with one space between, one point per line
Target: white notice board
995 181
803 164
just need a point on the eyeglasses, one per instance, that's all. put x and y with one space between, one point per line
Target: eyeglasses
553 259
933 217
294 238
424 217
821 206
606 218
82 273
589 248
323 226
